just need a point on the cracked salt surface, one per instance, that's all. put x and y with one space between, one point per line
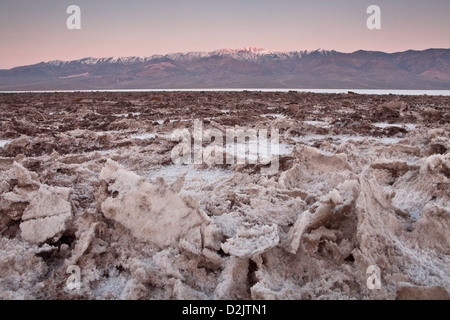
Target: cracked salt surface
383 125
114 284
161 121
274 115
126 114
228 232
144 136
321 124
170 173
3 143
250 149
311 138
103 152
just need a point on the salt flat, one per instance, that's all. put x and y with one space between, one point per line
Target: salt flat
87 180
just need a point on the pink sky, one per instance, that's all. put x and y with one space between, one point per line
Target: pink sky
35 31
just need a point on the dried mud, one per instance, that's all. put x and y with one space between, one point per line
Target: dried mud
86 179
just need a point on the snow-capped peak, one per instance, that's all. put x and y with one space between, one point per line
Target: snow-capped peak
56 62
242 54
245 49
89 60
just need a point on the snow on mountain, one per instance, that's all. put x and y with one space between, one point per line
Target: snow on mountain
241 68
252 54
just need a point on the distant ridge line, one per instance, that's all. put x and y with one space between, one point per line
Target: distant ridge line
250 67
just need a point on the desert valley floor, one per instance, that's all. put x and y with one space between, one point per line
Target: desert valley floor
87 184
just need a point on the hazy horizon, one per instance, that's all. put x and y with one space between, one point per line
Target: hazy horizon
33 32
98 57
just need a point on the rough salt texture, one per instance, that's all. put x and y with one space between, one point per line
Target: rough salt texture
364 181
44 211
153 213
252 242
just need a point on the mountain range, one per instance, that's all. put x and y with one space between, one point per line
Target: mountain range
240 68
